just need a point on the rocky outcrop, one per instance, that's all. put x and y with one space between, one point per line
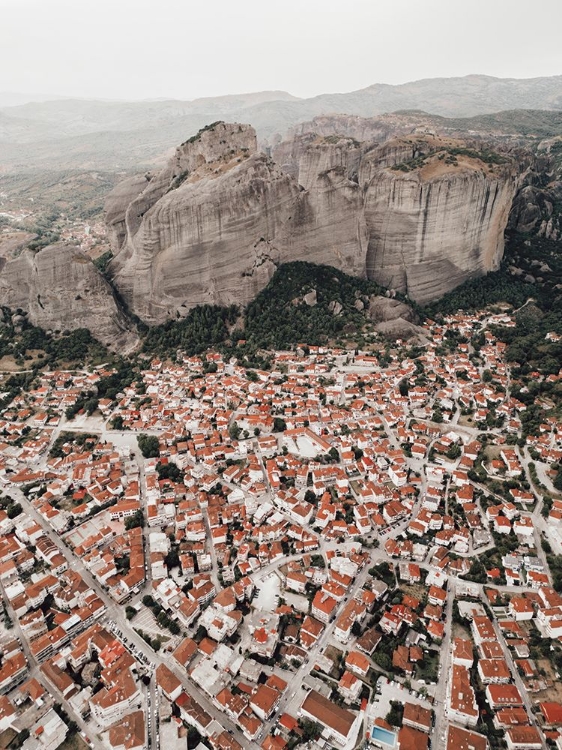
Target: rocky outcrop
434 226
419 214
213 226
61 289
536 208
394 318
382 309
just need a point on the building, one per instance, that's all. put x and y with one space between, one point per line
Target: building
115 701
13 672
463 739
47 733
349 687
523 738
417 717
337 723
264 701
461 700
168 682
500 696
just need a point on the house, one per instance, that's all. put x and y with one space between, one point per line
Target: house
13 671
493 671
412 739
500 696
323 606
349 686
337 723
461 703
523 738
193 714
482 629
463 739
168 683
417 717
129 733
357 663
48 732
265 701
521 608
114 701
552 713
391 624
463 652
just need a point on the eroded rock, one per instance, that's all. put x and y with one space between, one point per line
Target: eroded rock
61 289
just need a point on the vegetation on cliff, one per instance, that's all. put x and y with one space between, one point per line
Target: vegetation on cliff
280 316
203 327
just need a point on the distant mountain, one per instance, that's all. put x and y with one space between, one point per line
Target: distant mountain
16 98
71 133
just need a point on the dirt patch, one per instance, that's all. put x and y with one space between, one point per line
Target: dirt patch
491 452
334 655
417 590
459 631
74 742
438 167
8 364
6 738
554 690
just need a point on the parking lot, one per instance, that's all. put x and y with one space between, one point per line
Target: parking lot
145 621
392 691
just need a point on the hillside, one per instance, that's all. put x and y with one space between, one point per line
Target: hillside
303 302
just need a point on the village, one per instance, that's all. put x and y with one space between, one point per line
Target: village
339 552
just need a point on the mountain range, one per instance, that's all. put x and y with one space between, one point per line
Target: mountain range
84 134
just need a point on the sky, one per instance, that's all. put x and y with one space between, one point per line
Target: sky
184 49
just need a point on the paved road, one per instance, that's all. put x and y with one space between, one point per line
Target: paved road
515 675
444 665
294 696
35 672
115 613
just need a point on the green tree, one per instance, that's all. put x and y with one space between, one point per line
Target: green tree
117 422
149 445
279 425
134 521
234 431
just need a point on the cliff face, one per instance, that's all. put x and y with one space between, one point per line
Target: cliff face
435 226
417 213
61 289
213 226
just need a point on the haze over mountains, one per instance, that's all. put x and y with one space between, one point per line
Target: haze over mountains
73 133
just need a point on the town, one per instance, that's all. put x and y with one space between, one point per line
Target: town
351 549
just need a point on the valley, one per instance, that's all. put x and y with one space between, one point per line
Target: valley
281 419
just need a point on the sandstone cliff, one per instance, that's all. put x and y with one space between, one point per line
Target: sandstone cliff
419 213
215 223
436 220
61 289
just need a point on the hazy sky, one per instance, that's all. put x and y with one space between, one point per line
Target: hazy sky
190 48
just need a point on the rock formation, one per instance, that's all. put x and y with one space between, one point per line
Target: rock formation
61 289
418 213
438 224
536 208
215 223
